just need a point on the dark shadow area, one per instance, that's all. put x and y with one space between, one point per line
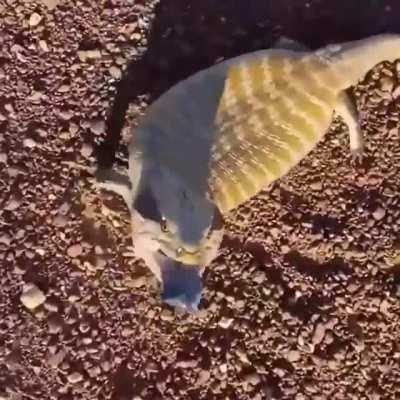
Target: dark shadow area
368 199
326 225
393 278
318 271
189 35
260 255
305 306
338 347
293 201
36 276
127 384
283 363
320 223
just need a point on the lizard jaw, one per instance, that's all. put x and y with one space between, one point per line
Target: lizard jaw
182 285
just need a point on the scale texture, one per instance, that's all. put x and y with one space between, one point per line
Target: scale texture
272 113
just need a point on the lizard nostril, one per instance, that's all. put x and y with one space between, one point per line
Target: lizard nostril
179 251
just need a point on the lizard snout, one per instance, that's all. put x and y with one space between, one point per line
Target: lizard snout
182 285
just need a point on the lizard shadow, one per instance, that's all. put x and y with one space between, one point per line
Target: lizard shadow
126 383
316 270
320 223
189 35
304 307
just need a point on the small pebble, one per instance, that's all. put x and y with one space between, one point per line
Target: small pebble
51 4
89 54
204 377
29 143
97 126
316 186
386 84
74 250
12 205
51 306
35 19
43 45
253 379
94 371
293 355
86 150
106 366
74 377
54 323
32 297
56 359
167 315
319 333
379 214
225 323
115 72
223 368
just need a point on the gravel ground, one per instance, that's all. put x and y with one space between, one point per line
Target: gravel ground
302 303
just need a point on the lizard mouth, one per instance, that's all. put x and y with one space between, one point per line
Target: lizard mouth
162 253
182 284
186 257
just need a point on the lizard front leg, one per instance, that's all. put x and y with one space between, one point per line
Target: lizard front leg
114 180
347 110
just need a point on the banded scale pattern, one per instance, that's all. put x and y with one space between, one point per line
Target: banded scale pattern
272 113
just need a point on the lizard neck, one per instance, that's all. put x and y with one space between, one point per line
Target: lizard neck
354 59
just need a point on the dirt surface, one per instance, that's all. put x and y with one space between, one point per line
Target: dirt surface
304 300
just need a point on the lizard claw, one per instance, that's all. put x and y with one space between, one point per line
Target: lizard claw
357 156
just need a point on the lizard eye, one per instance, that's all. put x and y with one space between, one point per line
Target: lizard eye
163 224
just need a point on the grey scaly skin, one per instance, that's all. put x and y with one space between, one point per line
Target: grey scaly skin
216 139
181 282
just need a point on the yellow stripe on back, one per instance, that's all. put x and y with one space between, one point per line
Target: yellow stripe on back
245 82
269 117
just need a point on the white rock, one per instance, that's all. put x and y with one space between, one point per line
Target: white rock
29 143
223 368
12 205
75 250
115 72
97 126
32 297
293 356
43 45
86 150
379 213
74 377
225 323
35 19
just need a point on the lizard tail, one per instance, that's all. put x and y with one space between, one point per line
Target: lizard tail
354 59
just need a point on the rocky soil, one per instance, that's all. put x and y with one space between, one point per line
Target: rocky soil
303 301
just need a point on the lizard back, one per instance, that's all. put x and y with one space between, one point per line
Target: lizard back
272 113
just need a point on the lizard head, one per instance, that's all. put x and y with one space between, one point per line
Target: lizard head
177 232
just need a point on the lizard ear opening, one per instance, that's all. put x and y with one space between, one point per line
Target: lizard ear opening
146 205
